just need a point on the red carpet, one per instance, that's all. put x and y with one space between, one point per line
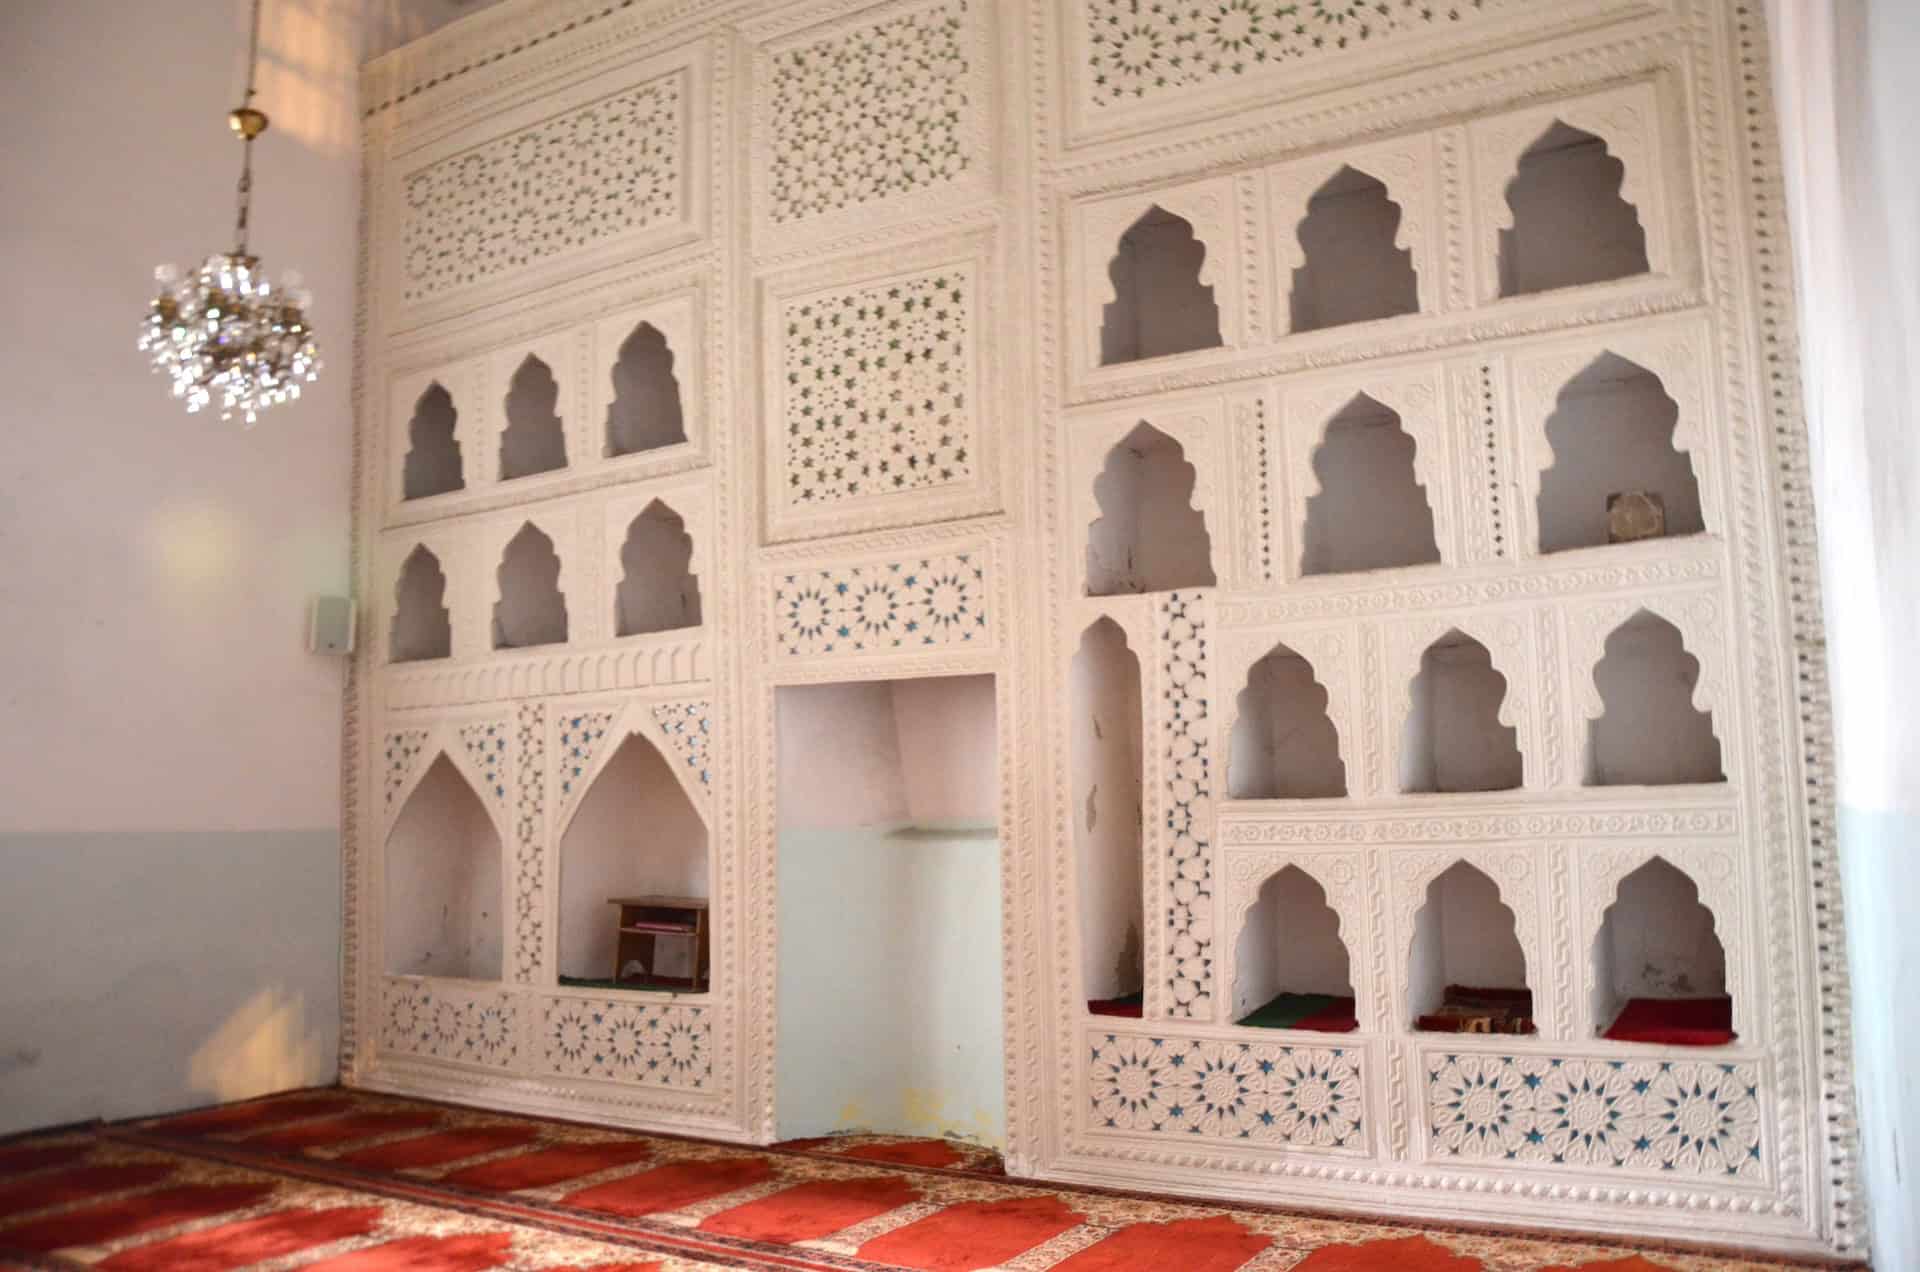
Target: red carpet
364 1183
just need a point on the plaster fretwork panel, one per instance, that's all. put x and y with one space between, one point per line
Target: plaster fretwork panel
1358 441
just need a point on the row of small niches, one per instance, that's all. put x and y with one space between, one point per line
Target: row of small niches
1557 197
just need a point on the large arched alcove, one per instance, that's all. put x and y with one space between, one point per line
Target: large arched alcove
1466 972
1371 512
533 441
442 867
1659 969
1108 830
1453 739
1149 537
1160 306
1292 969
635 833
432 465
1611 433
1650 733
658 591
645 413
1353 271
531 609
422 628
1284 745
1570 224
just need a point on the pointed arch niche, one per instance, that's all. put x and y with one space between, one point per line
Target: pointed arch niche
1649 733
1160 306
422 628
1453 739
1108 827
658 591
1659 969
1284 745
1149 536
432 466
1371 512
1571 225
635 833
533 441
1612 431
442 868
1466 963
1354 272
645 413
531 609
1292 969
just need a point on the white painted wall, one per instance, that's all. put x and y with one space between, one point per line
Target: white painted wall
1570 225
1150 536
1370 513
1353 272
1453 739
1656 941
443 869
889 1011
1290 943
169 776
1284 745
1844 73
1106 733
1160 307
1611 431
1651 734
635 833
1462 935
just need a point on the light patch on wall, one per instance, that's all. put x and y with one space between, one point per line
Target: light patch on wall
194 546
308 59
264 1046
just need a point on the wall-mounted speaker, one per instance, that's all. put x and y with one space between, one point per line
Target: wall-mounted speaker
330 625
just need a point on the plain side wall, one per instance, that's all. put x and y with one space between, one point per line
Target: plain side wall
169 765
1844 72
889 885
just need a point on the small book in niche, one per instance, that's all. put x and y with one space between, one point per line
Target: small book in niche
1467 1009
1635 514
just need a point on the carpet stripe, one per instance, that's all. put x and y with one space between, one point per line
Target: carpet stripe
470 1253
82 1183
339 1130
97 1225
1214 1244
1398 1254
807 1212
233 1118
973 1235
247 1242
670 1187
548 1166
441 1149
32 1157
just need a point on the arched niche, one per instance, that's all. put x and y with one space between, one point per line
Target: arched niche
1371 512
1659 969
1571 226
432 465
1650 733
1108 828
422 628
1353 271
1453 739
645 413
1466 964
531 609
658 591
1160 306
1149 536
443 867
634 833
1284 745
1612 432
533 441
1292 969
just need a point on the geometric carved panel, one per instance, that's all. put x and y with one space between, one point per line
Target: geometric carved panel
1668 1116
648 1043
1257 1093
449 1022
607 168
881 607
877 386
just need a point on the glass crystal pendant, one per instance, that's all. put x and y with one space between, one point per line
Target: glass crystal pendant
224 335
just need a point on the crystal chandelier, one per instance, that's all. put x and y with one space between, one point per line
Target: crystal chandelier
223 332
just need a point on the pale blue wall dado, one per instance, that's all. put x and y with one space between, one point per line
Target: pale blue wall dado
889 983
142 972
